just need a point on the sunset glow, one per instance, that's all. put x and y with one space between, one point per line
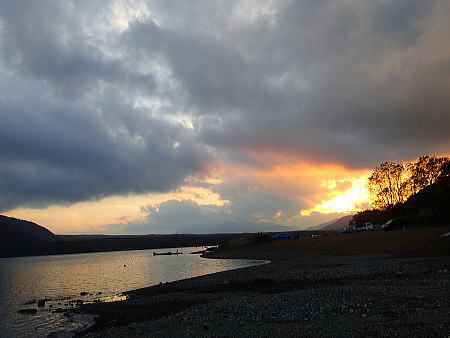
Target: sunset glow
92 216
354 199
139 136
143 117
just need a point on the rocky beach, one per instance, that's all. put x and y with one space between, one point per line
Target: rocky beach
398 285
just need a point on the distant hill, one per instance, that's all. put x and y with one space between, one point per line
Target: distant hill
23 238
16 229
321 225
19 237
336 224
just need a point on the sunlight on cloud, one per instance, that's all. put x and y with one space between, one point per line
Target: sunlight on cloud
350 200
91 216
121 13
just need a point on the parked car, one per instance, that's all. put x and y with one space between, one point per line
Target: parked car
367 226
398 223
320 235
282 236
350 230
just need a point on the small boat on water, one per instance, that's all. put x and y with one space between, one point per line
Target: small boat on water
166 253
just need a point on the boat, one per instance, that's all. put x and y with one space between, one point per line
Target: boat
166 253
198 252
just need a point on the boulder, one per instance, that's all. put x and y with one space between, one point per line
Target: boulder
41 302
27 311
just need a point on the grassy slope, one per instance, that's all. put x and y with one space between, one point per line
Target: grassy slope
413 243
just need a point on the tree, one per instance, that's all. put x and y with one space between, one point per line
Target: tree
409 190
445 170
393 183
389 184
426 170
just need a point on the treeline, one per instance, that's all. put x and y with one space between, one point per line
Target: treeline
419 191
22 245
392 183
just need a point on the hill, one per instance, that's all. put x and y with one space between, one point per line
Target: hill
428 207
17 229
336 224
24 238
20 236
339 224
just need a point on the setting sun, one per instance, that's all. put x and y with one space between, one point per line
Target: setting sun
353 199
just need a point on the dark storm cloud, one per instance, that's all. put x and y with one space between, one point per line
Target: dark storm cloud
215 77
70 128
346 82
353 83
44 40
55 153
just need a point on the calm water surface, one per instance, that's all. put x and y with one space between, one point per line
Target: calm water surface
25 280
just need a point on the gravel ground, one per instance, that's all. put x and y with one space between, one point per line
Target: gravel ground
370 295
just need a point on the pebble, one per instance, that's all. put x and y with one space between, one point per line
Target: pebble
347 300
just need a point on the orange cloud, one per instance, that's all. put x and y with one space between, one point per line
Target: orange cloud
325 189
288 193
92 216
353 199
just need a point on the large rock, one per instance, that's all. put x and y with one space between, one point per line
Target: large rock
41 302
27 311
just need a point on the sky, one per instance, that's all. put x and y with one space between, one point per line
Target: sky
135 117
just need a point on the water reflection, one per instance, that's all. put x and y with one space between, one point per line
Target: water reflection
67 280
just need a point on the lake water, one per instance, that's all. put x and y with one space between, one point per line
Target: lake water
61 279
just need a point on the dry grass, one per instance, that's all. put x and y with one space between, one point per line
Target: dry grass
414 243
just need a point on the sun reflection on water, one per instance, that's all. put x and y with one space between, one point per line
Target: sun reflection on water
67 281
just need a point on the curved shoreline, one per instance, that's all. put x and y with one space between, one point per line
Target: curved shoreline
90 310
314 293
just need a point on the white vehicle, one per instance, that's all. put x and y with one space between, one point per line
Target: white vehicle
367 226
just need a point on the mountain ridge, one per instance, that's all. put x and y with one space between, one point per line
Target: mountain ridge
336 224
20 228
24 238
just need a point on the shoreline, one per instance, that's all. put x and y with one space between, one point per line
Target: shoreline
299 291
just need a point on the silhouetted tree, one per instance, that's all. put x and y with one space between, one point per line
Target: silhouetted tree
426 171
389 184
419 190
392 183
445 170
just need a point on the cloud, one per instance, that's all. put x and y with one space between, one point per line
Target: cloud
72 129
252 200
54 153
357 90
47 41
120 97
187 216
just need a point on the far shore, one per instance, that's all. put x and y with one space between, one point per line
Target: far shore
376 283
